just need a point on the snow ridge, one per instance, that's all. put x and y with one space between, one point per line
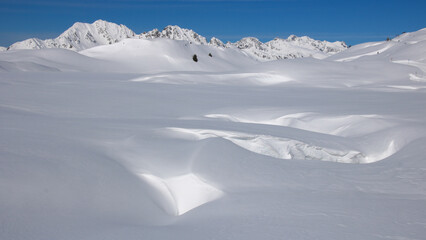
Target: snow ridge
82 36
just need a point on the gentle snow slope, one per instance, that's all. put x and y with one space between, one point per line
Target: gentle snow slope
159 55
130 55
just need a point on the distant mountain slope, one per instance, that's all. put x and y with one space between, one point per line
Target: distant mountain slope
83 36
406 47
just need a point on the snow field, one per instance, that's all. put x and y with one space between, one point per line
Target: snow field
136 141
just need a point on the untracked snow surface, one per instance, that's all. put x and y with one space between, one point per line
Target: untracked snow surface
135 140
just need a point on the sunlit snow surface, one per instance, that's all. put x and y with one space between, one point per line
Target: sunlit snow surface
180 194
135 140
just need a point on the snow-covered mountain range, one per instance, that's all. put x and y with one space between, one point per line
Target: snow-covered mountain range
80 36
83 36
292 47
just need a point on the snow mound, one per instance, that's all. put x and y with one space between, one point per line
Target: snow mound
178 195
162 55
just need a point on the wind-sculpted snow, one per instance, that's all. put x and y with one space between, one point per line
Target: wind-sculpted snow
180 194
346 126
134 140
363 130
277 147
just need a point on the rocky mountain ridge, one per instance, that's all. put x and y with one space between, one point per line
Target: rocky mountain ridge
82 36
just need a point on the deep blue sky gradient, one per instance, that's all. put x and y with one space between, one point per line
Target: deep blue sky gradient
351 21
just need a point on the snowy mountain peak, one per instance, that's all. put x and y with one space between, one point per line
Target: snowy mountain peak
249 42
31 43
296 38
291 37
216 42
175 33
81 36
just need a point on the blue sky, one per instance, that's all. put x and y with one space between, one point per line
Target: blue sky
351 21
